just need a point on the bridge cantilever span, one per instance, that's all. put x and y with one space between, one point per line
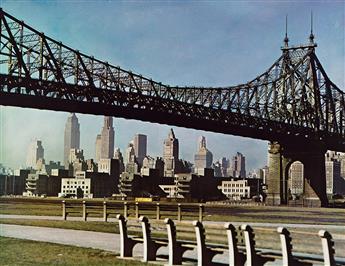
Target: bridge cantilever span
293 99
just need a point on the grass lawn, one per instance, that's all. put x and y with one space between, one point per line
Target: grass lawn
26 252
248 214
76 225
31 209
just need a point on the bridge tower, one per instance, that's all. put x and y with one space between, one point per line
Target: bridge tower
281 156
311 153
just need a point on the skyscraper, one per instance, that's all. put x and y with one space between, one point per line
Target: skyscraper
72 137
119 157
221 167
335 183
296 178
105 141
77 161
170 153
203 158
131 163
35 153
238 165
130 153
339 156
342 165
140 147
98 147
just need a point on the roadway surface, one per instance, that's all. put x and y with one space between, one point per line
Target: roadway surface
340 228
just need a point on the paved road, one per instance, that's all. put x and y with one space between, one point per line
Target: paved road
288 225
104 241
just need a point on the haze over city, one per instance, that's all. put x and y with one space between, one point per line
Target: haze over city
174 44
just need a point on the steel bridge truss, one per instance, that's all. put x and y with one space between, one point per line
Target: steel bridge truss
293 99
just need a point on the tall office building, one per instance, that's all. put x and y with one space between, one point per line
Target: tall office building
296 178
140 147
340 156
77 161
334 182
342 165
76 155
35 153
105 141
203 158
221 167
98 147
72 137
118 156
152 163
131 163
170 153
107 137
238 165
130 153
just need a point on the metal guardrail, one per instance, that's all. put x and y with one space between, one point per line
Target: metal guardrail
132 209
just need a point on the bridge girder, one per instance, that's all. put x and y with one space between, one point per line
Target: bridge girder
293 99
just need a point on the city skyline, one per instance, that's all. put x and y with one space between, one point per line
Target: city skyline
138 137
229 33
89 152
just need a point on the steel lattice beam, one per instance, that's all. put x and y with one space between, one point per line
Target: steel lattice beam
293 99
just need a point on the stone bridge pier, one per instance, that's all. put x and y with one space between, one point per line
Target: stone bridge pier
281 156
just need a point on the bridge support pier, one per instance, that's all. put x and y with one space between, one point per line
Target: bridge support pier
281 156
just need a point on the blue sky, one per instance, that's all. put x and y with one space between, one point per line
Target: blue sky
206 43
